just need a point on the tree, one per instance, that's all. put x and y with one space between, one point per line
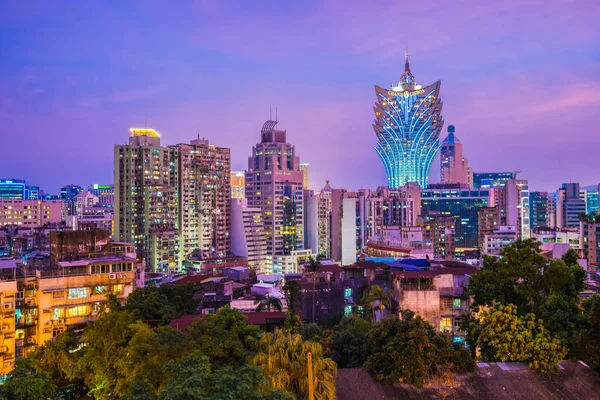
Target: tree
225 337
58 357
408 350
269 302
502 335
192 378
587 341
291 289
377 299
283 359
348 342
160 305
25 383
312 266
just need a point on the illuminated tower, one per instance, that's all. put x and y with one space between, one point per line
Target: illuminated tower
407 123
274 184
454 168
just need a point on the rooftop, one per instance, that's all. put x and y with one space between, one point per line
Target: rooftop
491 381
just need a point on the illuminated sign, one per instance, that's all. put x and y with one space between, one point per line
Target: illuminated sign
96 186
405 93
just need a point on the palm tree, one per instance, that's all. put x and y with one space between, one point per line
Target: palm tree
269 302
283 359
311 267
292 321
377 299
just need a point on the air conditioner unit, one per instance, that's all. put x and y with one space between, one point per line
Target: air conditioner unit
8 306
60 321
31 340
48 323
3 349
29 302
120 276
112 276
5 328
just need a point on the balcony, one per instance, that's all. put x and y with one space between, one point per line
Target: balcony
455 291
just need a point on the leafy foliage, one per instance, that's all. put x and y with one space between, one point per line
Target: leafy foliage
291 289
311 267
225 337
192 378
377 299
283 359
348 344
160 305
408 350
587 341
26 383
502 335
269 302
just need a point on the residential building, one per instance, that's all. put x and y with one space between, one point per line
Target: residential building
248 236
500 238
238 184
454 168
488 221
39 302
204 213
69 194
346 239
407 123
317 220
291 263
509 205
147 199
31 213
439 230
570 204
590 243
274 184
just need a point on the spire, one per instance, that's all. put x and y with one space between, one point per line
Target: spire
407 80
406 63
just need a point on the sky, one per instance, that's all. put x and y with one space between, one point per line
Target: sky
520 82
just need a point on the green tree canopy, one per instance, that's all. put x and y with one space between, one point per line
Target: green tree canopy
348 342
160 305
408 350
291 289
26 383
502 335
192 379
225 337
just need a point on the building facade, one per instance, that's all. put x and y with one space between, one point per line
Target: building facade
570 204
204 198
454 168
274 184
304 169
407 123
538 208
238 185
18 189
31 213
248 236
147 200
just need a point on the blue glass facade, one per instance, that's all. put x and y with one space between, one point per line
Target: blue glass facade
407 123
463 206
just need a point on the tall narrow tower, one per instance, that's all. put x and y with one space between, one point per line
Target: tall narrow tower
274 184
454 168
407 123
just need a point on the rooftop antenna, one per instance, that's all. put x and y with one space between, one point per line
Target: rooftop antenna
276 115
270 113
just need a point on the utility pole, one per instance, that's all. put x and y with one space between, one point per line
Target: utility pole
311 389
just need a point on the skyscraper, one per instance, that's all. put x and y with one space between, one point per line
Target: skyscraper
454 168
147 200
304 169
204 192
570 203
407 123
274 184
248 236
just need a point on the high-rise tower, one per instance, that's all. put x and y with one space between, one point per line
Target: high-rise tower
407 123
454 168
274 184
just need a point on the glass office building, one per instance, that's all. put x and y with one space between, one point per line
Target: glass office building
407 123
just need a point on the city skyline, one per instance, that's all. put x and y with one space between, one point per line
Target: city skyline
521 90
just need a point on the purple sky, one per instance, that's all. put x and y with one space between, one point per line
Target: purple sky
520 81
